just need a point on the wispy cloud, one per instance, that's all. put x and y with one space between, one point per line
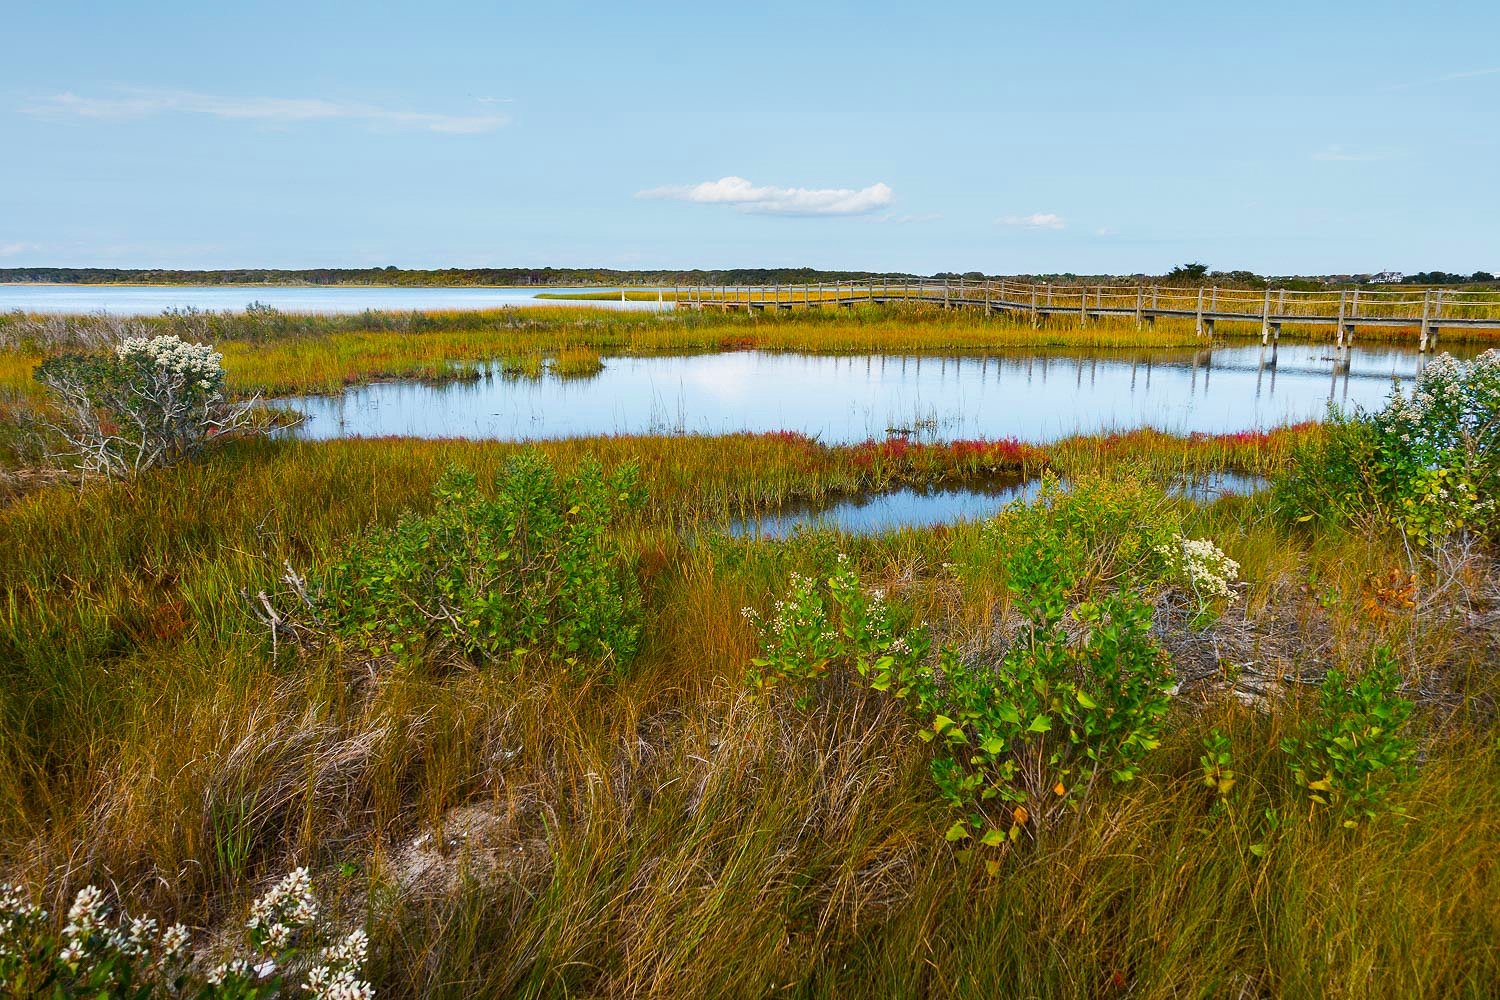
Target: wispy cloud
1469 74
140 103
1338 154
1463 74
908 219
12 249
1036 220
748 197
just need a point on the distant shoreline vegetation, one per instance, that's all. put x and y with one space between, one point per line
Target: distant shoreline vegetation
522 277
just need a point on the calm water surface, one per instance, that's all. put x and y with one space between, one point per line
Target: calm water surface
1033 397
907 508
149 300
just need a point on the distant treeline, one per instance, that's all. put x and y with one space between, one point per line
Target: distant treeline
560 276
1445 278
1186 274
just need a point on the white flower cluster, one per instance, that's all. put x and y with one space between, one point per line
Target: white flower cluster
195 364
1207 570
132 947
88 938
338 977
288 907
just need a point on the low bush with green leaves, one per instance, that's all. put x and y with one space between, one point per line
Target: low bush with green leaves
532 567
831 624
1354 748
1096 533
1082 691
1428 464
1084 688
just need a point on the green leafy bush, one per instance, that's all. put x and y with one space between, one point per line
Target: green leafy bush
1032 733
534 567
1096 533
1429 465
832 624
1353 749
1082 691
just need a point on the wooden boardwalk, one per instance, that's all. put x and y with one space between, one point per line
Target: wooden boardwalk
1425 310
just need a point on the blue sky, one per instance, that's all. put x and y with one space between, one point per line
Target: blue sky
1316 137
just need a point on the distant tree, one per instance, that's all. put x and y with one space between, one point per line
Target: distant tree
1481 276
1195 271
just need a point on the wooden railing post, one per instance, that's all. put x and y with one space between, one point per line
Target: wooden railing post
1426 319
1265 320
1198 329
1343 296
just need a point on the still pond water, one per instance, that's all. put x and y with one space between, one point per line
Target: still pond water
150 300
877 513
1035 396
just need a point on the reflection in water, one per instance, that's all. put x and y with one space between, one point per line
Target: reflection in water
839 399
877 513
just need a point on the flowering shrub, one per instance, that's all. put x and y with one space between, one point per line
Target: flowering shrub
1202 569
96 956
532 568
832 624
1353 749
1428 464
150 402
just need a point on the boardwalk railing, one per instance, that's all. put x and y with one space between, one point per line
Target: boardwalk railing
1425 309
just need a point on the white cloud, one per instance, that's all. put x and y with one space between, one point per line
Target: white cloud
1036 220
137 103
909 218
749 197
1338 154
11 249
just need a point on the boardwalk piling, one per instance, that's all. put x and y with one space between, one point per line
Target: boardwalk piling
1426 320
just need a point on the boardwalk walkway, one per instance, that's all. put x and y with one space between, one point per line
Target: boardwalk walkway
1425 310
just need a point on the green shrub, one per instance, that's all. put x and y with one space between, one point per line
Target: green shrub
832 624
1429 465
533 568
1023 738
1095 534
1353 749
